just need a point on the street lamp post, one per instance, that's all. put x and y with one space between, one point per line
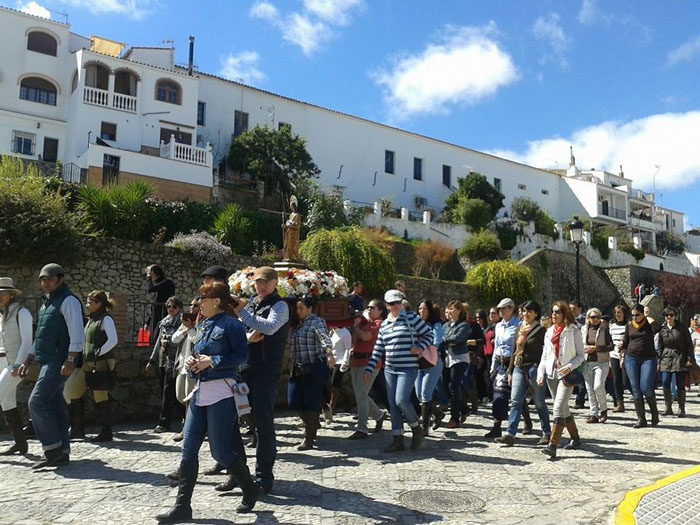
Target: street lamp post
576 232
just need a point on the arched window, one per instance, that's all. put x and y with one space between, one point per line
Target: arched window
42 43
74 82
37 89
125 82
168 91
97 76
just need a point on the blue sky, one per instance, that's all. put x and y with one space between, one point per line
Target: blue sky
618 80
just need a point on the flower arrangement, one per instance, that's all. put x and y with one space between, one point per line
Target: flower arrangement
293 283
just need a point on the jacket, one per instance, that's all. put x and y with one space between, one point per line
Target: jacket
52 339
532 349
223 339
454 337
603 342
675 348
570 352
266 355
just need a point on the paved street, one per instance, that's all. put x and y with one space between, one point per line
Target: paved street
353 482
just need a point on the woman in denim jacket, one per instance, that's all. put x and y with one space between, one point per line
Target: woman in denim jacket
220 349
456 332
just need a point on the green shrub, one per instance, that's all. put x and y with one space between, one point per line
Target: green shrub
166 218
508 231
669 242
234 229
328 211
35 224
203 247
494 280
600 243
634 252
265 227
350 253
474 213
524 209
544 225
117 211
482 246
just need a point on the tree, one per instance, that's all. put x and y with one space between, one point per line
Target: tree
233 229
474 213
524 209
474 186
681 291
432 255
482 246
669 242
275 156
326 210
494 280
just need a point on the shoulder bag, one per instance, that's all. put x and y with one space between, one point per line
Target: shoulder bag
428 357
100 379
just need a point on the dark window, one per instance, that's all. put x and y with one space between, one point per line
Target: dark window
545 192
281 125
240 122
388 161
180 136
38 90
42 43
522 187
23 143
97 76
108 131
447 175
50 150
110 170
497 184
125 83
201 113
417 168
167 91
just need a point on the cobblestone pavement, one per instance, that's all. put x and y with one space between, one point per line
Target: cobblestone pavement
352 482
675 504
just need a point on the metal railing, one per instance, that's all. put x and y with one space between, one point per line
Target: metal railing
611 212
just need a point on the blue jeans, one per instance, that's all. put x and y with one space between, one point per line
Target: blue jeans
220 422
427 381
641 372
304 392
519 386
399 384
667 377
263 392
458 405
47 409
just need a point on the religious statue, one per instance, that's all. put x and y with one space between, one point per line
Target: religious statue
291 229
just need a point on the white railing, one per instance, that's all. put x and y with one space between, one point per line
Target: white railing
186 153
96 96
124 102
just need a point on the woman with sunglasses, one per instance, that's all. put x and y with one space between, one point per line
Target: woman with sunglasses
675 358
638 356
402 337
562 355
220 349
597 344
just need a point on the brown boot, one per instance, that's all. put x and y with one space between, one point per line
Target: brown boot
668 402
575 442
557 428
620 407
681 401
311 421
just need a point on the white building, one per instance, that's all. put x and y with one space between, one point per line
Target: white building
111 114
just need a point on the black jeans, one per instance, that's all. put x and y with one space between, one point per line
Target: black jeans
457 403
169 399
618 379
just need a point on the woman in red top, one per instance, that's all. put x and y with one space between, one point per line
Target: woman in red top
365 335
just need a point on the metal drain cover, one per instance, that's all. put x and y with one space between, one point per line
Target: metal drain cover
441 501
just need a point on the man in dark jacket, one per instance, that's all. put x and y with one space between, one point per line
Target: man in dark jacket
161 288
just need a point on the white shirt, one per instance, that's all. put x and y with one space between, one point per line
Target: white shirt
111 332
72 312
342 342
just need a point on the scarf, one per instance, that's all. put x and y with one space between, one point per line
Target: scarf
523 332
555 339
639 325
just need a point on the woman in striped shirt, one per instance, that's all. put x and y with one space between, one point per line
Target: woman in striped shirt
617 333
402 337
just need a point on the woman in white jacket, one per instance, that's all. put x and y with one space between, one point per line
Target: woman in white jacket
563 354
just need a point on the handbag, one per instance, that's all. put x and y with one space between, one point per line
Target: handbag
428 357
694 374
574 378
100 379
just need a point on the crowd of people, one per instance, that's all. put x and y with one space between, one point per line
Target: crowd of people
220 360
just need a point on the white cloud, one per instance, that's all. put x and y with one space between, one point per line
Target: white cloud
685 52
243 66
667 139
549 29
592 15
336 12
134 9
32 8
264 10
468 66
311 27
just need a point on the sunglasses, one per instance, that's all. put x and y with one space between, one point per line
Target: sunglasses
594 317
393 303
637 315
669 315
556 312
371 307
171 307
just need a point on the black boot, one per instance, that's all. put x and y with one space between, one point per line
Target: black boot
654 411
641 417
396 445
228 485
76 415
182 511
311 421
251 490
417 437
439 416
668 402
495 430
426 410
105 414
526 417
681 401
28 429
14 421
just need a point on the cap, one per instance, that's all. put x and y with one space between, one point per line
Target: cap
51 270
265 272
219 273
506 303
8 285
392 296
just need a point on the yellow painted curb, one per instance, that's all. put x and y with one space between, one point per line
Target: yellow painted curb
624 514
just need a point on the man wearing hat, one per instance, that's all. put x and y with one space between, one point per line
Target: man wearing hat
214 274
266 317
58 341
15 342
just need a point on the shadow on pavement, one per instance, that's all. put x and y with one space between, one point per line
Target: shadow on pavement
99 470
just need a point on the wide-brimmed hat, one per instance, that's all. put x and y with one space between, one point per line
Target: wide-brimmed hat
8 285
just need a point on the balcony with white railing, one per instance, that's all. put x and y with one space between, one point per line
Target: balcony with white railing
96 96
186 153
642 195
109 99
124 102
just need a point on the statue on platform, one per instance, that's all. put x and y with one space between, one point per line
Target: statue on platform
291 229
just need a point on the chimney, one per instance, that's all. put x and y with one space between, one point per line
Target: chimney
190 63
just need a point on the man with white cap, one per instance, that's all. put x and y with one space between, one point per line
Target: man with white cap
58 341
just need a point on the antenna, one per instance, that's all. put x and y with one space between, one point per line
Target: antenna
61 13
171 42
